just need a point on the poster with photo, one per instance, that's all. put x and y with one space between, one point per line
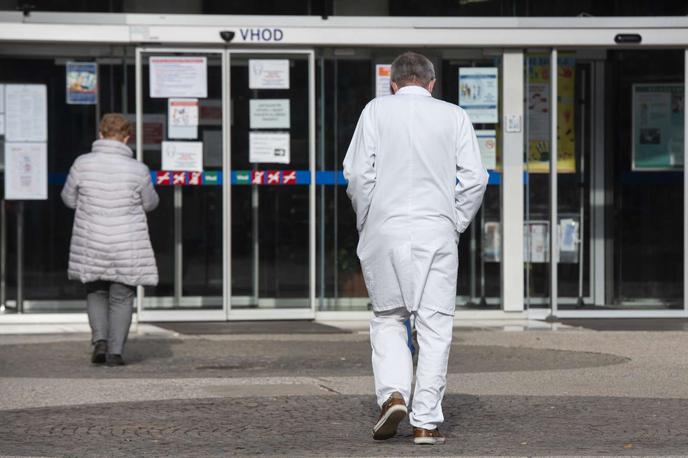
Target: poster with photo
658 130
538 110
479 94
182 118
82 83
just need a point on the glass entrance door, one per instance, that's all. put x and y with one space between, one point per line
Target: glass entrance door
180 117
229 138
272 157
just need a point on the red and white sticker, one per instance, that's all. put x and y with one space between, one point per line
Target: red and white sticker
289 177
195 178
179 178
258 177
274 177
163 178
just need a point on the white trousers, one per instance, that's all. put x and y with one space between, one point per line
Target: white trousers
393 363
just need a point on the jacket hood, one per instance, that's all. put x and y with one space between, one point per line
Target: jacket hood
111 147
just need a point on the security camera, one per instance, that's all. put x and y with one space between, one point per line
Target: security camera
227 35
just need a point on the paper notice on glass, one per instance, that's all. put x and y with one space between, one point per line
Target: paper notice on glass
536 238
182 156
383 74
26 115
492 246
269 147
26 171
268 74
182 118
178 77
269 114
479 93
487 141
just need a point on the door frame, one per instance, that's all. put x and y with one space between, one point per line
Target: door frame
226 313
144 315
274 313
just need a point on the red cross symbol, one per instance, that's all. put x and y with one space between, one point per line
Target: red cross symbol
162 178
258 177
289 177
179 178
195 178
273 177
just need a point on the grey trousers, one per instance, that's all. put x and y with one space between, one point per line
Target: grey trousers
110 306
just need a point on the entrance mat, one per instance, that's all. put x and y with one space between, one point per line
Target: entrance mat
251 327
629 324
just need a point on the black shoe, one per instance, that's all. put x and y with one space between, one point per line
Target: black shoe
114 360
99 352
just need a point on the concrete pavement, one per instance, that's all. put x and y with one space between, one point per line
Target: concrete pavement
532 392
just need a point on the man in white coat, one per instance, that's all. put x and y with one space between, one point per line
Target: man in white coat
415 180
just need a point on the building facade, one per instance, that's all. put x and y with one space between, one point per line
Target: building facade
244 122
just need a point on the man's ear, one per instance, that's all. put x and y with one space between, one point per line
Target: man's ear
395 87
431 86
100 135
126 139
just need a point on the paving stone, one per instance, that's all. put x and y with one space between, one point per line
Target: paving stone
340 425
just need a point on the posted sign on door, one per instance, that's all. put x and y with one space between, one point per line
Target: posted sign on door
177 76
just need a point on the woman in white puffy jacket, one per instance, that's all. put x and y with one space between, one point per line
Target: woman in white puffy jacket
110 251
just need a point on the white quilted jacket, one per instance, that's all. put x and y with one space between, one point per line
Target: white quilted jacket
111 192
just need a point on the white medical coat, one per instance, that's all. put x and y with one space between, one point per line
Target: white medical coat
415 179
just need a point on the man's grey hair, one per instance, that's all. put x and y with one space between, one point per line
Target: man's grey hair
412 68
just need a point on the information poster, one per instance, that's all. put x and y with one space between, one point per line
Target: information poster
269 147
536 241
26 171
182 118
269 114
178 76
658 114
569 240
538 113
492 245
82 83
383 80
26 116
479 93
182 156
487 141
268 73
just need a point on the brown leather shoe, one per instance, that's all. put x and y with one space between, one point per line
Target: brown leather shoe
393 411
428 436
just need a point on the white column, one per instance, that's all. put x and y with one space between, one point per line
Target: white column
553 187
511 193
